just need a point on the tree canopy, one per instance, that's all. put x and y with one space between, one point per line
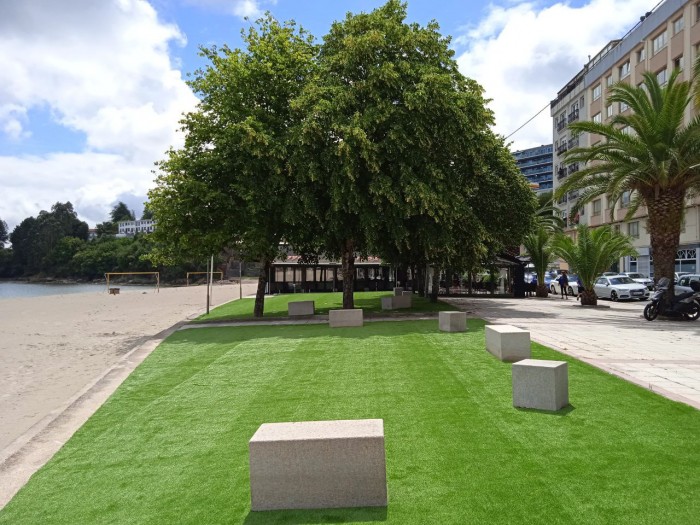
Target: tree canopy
4 234
121 212
395 152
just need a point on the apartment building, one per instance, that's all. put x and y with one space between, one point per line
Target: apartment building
131 228
536 165
665 39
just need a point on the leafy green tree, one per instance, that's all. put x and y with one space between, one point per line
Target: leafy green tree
650 152
4 235
107 228
230 185
391 146
59 260
592 253
121 212
147 212
538 245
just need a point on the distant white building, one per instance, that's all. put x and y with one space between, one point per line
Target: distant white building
131 228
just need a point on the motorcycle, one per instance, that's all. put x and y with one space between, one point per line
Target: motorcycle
685 305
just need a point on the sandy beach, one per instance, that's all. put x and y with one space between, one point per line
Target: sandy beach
52 348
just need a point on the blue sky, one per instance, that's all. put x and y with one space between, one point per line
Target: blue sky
91 91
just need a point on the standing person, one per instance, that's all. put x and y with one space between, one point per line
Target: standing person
564 284
580 287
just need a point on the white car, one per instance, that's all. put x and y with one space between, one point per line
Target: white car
572 289
619 287
641 279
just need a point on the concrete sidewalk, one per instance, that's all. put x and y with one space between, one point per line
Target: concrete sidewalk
662 355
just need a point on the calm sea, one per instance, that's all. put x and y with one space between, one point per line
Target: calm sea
9 290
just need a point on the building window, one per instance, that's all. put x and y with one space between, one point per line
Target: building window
634 229
609 110
626 130
677 25
623 107
641 55
597 91
658 43
596 207
625 199
624 69
662 76
608 80
597 118
678 63
616 228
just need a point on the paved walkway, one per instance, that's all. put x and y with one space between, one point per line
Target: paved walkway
662 355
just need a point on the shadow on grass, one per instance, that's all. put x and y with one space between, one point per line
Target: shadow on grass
568 409
298 517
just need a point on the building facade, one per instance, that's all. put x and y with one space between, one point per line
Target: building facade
536 165
665 39
131 228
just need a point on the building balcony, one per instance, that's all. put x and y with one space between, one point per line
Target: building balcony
562 149
573 143
561 173
573 116
561 125
573 168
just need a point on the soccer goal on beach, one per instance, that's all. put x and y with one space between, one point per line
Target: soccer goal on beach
221 275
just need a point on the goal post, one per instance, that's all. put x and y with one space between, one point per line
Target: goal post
221 275
156 274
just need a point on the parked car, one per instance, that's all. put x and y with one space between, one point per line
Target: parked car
572 289
683 284
641 279
678 275
619 287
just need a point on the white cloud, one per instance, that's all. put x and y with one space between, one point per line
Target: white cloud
241 8
522 55
101 69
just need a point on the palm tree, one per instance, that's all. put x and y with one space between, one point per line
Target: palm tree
539 248
650 153
593 252
547 215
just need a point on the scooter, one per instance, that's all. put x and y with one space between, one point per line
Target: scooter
685 305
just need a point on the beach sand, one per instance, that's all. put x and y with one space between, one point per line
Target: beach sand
52 349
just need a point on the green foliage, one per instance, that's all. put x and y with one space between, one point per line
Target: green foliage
107 228
648 151
538 245
121 212
147 212
395 153
34 239
4 234
593 252
547 214
171 444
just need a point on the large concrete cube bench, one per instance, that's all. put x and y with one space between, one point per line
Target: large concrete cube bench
396 302
540 384
507 343
318 465
296 308
398 290
452 321
340 318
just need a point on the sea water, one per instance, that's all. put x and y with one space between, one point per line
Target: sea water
9 290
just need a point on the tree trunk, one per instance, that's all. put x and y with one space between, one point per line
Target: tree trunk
348 269
420 277
664 225
589 298
541 290
260 292
448 280
435 285
470 277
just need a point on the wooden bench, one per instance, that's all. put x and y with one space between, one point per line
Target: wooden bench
318 465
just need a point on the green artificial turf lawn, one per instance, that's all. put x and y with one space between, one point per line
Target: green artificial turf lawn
171 445
276 305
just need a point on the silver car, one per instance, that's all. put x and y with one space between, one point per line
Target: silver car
641 279
619 287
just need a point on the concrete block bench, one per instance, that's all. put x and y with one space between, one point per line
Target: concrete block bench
452 321
318 465
398 290
540 384
507 343
295 308
340 318
395 302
